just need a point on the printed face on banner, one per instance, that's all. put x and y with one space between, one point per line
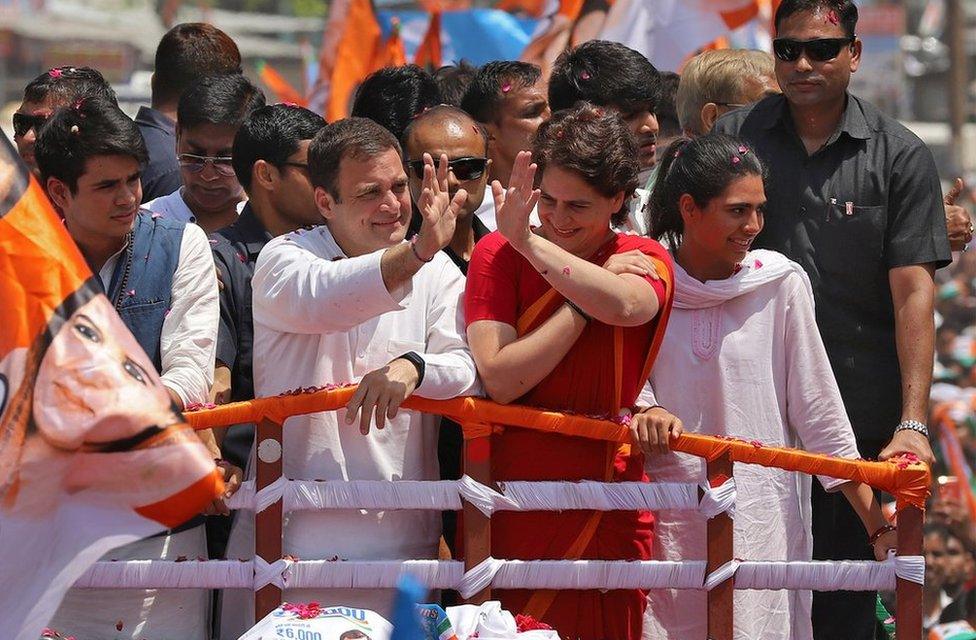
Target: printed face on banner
89 441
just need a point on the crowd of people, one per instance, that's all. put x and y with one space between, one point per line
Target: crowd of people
747 249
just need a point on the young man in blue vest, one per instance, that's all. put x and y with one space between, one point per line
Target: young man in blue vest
159 273
160 276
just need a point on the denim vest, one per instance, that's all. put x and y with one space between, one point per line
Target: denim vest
143 298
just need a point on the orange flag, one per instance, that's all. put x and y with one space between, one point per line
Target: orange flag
361 38
429 51
533 8
92 455
281 88
391 53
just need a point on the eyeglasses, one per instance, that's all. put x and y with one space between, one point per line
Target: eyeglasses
24 123
195 164
464 169
819 50
730 105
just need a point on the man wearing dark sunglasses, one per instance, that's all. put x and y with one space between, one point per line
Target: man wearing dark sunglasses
855 198
451 131
208 116
55 88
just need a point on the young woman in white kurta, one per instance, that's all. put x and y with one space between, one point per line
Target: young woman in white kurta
742 357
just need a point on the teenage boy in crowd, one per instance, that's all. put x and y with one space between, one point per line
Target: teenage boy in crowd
350 300
209 114
159 275
610 75
508 98
186 53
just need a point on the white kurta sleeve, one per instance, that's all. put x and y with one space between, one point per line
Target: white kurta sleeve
296 291
188 341
814 406
449 368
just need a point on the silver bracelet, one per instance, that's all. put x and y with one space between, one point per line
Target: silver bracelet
912 425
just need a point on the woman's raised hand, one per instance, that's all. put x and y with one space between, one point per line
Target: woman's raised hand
437 209
514 205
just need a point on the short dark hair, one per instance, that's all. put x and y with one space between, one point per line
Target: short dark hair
442 112
358 138
394 95
703 168
453 81
846 12
484 96
67 84
594 143
93 127
605 73
272 133
188 52
667 112
227 99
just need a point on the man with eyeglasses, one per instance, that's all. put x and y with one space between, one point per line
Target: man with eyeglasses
271 162
854 197
57 87
208 116
716 82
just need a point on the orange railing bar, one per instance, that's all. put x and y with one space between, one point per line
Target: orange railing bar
908 480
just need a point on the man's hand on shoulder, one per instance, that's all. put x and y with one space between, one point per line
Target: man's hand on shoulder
382 392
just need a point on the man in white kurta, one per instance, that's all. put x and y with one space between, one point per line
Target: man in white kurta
742 357
342 302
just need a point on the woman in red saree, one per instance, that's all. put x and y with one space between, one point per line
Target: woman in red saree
549 326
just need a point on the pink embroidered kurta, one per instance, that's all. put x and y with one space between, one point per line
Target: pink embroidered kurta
743 357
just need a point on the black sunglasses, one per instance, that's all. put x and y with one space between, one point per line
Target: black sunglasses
819 50
24 123
464 169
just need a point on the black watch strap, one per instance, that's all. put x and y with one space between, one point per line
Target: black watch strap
414 358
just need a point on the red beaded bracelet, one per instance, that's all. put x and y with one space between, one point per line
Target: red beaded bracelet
880 532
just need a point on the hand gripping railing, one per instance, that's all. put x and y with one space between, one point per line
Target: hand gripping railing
907 480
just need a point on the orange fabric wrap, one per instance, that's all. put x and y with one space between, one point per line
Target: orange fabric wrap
907 481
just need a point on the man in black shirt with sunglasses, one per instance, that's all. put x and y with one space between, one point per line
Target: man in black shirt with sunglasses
855 198
451 131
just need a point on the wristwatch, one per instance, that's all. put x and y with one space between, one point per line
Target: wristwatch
912 425
413 358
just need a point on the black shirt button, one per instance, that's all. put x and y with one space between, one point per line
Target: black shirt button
803 209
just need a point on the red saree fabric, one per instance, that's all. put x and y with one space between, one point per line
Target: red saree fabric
604 372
